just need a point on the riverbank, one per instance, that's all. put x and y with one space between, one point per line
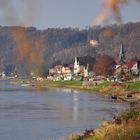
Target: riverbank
124 90
106 87
124 127
59 111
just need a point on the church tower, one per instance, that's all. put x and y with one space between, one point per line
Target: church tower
122 55
76 66
86 70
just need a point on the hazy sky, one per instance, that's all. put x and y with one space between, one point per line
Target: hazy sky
58 13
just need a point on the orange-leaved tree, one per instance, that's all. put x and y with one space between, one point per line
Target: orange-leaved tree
104 66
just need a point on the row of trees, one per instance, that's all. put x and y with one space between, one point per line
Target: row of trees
53 45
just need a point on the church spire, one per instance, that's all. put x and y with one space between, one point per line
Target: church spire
76 66
76 61
122 54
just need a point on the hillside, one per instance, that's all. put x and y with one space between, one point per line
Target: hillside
29 49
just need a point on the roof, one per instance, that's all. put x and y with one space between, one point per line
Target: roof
117 66
71 66
130 64
138 62
66 65
58 66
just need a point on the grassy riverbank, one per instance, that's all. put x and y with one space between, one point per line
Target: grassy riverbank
124 127
106 88
70 84
117 88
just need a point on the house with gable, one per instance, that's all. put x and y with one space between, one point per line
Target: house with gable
135 69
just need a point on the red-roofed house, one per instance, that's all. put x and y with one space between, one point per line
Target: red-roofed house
130 64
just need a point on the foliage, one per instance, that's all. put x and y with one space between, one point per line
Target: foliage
104 66
62 45
132 114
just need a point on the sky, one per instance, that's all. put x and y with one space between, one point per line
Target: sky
44 14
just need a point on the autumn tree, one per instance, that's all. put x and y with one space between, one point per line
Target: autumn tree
104 66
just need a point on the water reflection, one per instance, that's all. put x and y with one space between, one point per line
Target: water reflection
75 106
30 113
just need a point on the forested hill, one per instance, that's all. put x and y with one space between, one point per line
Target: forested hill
29 49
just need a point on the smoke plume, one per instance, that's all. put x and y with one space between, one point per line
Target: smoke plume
111 9
26 52
9 11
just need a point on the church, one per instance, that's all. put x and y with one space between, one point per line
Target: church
69 72
80 69
125 69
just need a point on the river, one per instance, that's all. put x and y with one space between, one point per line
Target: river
30 113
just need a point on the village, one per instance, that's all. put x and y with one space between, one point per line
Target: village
122 71
69 70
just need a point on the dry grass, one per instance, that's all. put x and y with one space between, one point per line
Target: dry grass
125 127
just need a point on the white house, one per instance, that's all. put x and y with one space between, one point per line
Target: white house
136 68
67 77
3 74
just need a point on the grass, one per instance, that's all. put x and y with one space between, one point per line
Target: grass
109 88
101 86
132 114
58 83
133 85
127 129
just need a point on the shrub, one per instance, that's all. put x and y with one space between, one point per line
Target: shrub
132 114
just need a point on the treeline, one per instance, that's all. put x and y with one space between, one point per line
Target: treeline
60 46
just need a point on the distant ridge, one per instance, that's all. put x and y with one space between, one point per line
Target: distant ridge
62 45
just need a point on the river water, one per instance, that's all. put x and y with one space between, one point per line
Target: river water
29 113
